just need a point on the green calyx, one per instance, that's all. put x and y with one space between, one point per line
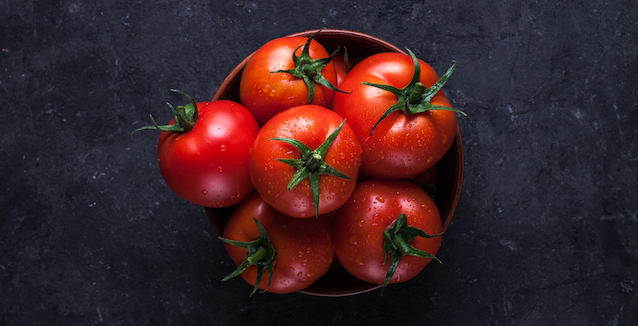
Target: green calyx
311 165
185 117
397 244
310 69
261 254
415 97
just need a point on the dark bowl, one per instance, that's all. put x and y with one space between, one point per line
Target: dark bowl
338 282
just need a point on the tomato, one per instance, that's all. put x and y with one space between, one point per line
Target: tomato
428 178
204 157
305 161
292 253
364 226
402 131
273 80
342 65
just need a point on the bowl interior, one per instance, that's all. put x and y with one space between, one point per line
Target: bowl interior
450 179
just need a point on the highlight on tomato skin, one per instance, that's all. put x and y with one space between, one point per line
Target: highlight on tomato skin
303 247
374 207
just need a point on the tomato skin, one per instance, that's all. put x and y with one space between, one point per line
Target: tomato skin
340 68
310 124
372 208
427 178
208 165
304 246
265 93
401 146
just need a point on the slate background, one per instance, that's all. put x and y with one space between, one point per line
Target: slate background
545 233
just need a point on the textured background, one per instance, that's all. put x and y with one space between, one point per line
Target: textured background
546 231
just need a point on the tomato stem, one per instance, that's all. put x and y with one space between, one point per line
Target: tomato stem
397 244
415 97
311 164
310 69
185 117
260 253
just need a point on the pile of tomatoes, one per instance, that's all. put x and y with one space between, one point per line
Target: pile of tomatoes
319 158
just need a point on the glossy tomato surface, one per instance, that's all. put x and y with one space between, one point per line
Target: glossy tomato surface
304 246
310 124
266 93
373 207
208 165
401 146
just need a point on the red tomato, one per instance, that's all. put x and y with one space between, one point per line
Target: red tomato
303 247
428 178
208 164
343 65
266 91
271 168
406 142
375 205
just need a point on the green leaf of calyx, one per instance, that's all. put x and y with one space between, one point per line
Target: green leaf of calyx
311 164
415 97
261 254
310 69
397 244
185 117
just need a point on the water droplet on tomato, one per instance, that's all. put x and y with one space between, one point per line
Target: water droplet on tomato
220 169
223 148
380 199
300 274
367 209
359 261
353 240
310 274
204 191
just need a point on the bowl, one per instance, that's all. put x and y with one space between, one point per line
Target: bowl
338 282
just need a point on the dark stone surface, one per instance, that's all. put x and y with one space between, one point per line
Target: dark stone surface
545 233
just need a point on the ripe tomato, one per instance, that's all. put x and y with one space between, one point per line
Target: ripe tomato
273 80
429 178
204 157
420 124
363 224
293 252
305 161
343 65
